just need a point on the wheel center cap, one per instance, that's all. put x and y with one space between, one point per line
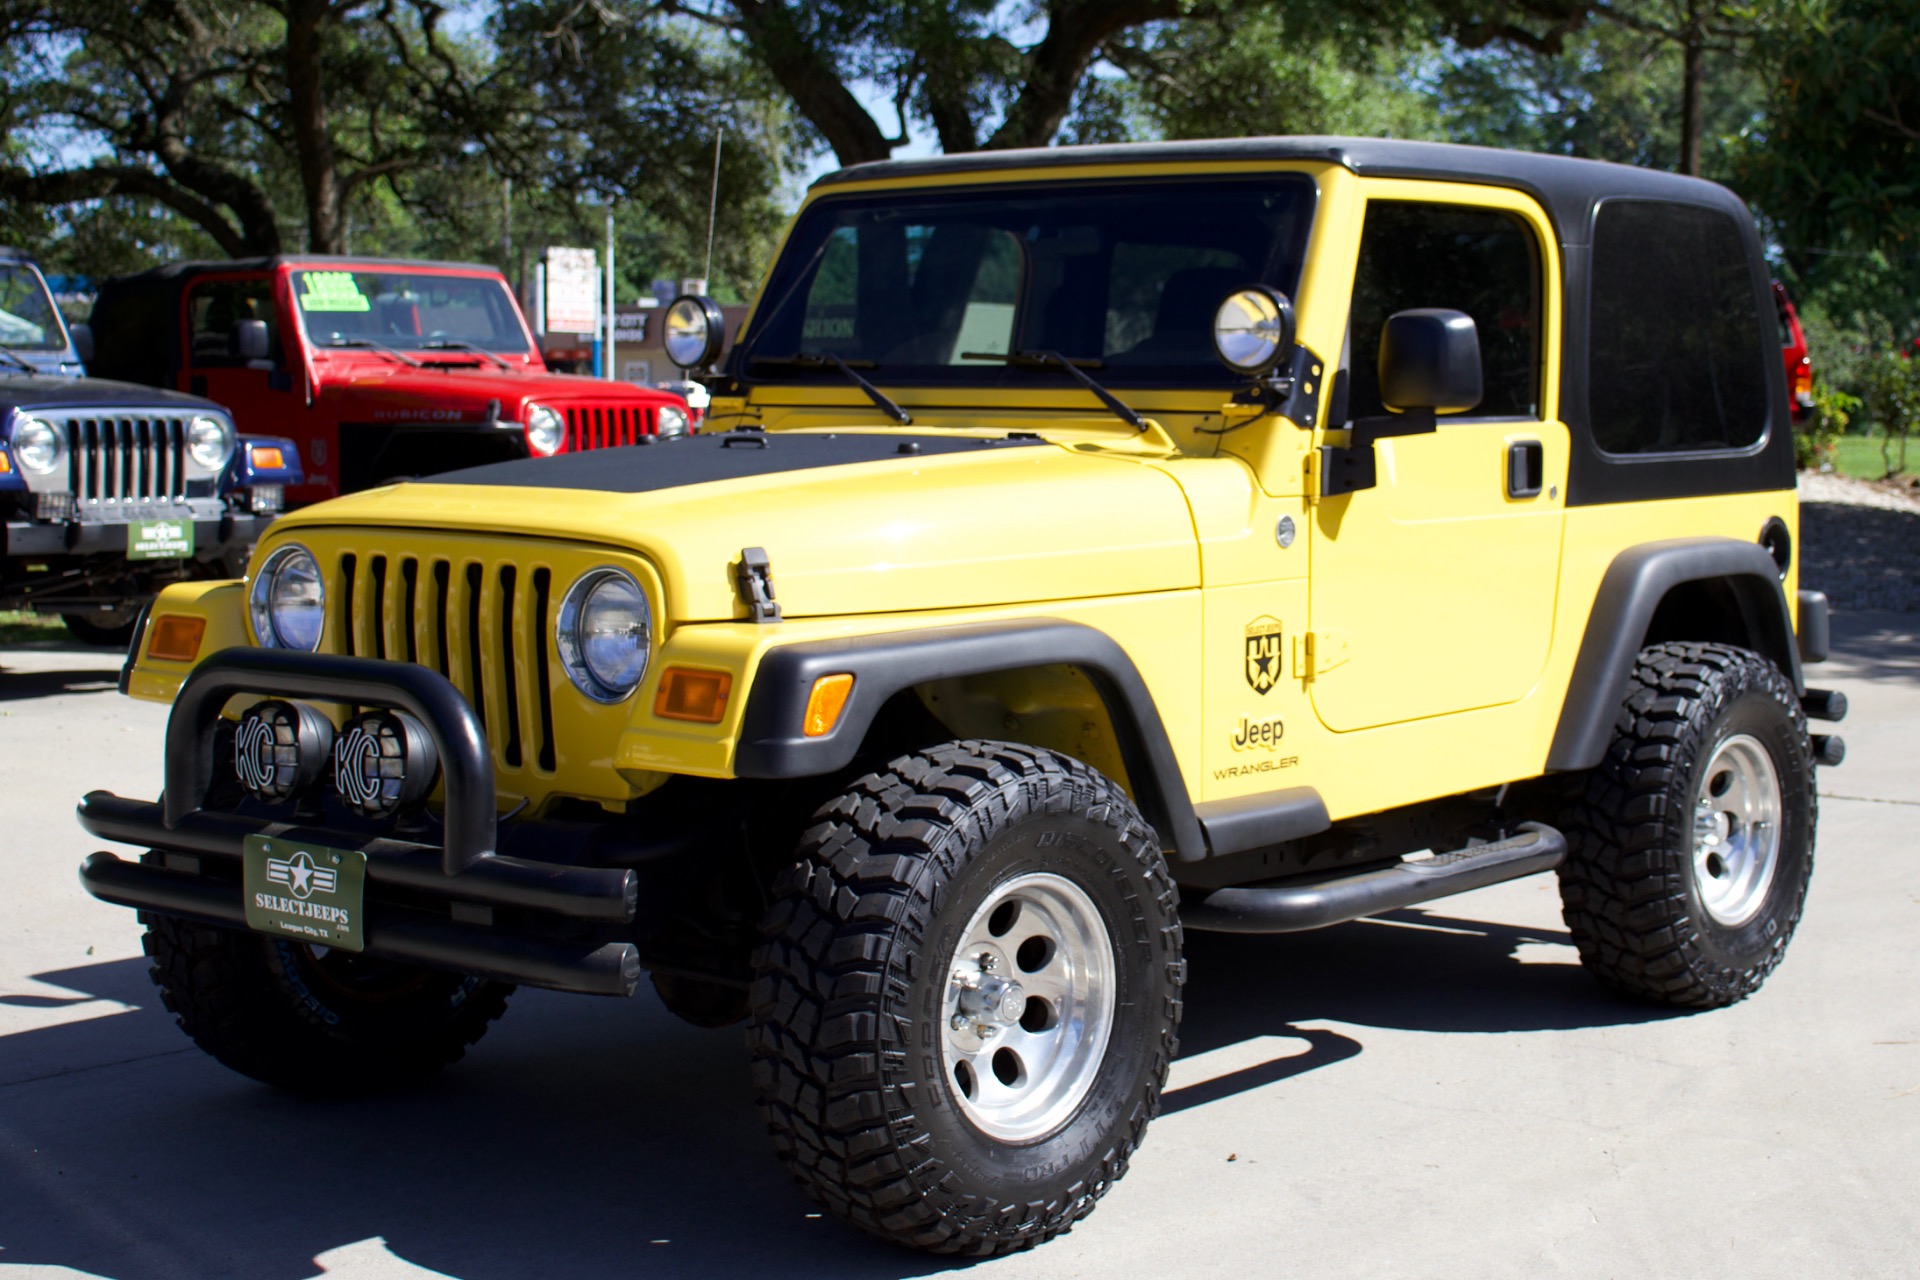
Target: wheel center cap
981 1001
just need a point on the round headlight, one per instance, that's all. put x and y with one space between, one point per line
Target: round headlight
288 601
692 331
40 445
210 441
605 634
673 420
1253 329
545 428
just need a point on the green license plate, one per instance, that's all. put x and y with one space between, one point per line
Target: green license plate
160 540
306 891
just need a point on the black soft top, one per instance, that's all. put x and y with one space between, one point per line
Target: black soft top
1568 188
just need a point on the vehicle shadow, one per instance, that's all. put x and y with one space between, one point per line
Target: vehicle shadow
17 685
600 1138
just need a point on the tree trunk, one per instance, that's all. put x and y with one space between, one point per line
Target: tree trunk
1690 111
313 144
812 82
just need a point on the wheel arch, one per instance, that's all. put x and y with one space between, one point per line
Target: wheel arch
887 667
1703 589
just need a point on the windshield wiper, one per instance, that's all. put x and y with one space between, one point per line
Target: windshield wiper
454 344
337 341
810 360
20 362
1054 360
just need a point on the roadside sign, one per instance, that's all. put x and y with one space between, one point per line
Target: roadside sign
573 291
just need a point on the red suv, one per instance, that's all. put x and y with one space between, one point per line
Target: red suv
1793 353
380 369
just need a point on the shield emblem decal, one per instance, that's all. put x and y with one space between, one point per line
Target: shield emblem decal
1263 654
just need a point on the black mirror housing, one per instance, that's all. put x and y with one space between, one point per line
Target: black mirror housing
82 335
1430 359
250 340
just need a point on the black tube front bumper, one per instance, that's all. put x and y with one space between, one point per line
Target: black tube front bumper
458 904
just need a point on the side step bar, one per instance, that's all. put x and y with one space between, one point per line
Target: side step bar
1294 905
609 969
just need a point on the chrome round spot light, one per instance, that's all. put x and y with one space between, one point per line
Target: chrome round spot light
41 446
384 762
1253 329
280 749
210 441
545 430
693 331
287 600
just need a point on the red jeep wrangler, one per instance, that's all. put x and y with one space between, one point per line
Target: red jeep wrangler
380 369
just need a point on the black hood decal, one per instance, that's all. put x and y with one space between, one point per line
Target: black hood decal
653 464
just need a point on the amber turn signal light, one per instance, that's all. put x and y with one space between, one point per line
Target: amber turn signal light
268 457
690 694
6 464
176 638
825 703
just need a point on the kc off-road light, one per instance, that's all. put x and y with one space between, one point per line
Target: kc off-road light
383 762
280 749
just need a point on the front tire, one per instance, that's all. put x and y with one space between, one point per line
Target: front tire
967 997
311 1020
1690 852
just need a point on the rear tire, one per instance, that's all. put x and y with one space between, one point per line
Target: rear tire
1690 851
109 628
311 1020
967 997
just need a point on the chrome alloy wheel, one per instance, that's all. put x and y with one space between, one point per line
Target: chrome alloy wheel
1736 830
1029 1007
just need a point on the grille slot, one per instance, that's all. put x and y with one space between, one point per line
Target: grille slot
475 623
606 426
126 459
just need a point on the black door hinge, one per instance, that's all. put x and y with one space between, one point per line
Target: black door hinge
753 578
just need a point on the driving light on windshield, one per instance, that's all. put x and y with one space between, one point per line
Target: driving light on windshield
1252 329
693 331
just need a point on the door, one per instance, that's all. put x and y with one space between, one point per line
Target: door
1433 592
261 394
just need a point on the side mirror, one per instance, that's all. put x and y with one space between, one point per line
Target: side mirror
250 340
1429 365
82 335
1430 359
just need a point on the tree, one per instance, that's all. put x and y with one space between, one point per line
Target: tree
227 112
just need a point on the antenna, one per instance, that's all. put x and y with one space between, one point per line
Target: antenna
713 207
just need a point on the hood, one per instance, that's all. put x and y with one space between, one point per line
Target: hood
42 392
852 522
467 394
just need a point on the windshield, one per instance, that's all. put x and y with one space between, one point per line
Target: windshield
1127 275
27 319
407 310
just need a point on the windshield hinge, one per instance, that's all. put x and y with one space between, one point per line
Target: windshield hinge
753 578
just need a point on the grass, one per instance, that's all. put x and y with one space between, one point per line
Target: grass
18 627
1859 456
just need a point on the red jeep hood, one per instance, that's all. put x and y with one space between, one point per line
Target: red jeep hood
462 394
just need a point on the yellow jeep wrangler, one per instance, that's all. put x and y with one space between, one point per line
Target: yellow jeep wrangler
1096 543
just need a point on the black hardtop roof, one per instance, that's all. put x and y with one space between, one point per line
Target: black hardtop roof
1569 188
174 272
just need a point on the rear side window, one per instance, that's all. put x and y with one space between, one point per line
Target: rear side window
1480 261
214 307
1677 356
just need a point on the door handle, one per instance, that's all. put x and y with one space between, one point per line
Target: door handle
1526 469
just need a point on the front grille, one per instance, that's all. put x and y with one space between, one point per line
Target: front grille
114 460
604 426
483 624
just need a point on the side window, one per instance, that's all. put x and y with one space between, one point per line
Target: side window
1678 359
1481 261
215 306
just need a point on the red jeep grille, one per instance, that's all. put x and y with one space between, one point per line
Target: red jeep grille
604 426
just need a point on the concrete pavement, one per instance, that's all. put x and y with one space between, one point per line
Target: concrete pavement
1440 1093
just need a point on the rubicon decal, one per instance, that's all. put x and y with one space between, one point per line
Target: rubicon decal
1263 653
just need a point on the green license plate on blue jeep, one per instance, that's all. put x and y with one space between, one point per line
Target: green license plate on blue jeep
308 892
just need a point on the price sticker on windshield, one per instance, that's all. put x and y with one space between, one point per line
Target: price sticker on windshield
331 291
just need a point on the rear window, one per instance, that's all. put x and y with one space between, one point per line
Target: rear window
1678 356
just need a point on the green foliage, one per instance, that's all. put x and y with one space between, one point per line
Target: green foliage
1893 385
1816 441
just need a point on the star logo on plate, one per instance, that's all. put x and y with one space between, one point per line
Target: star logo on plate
301 876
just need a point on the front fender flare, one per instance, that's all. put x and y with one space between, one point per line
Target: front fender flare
771 744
